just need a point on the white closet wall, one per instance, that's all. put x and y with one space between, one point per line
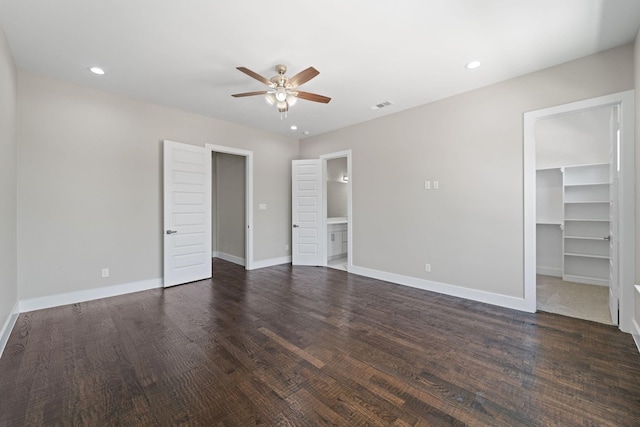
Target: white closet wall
549 220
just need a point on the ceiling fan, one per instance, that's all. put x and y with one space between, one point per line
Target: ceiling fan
282 92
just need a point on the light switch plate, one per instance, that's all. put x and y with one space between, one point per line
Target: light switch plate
427 185
262 206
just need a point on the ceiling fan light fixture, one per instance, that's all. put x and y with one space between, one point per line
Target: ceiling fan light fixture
281 94
271 98
282 90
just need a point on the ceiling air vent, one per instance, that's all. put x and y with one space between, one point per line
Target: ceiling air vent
382 105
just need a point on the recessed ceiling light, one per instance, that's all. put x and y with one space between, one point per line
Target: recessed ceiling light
306 132
472 65
293 127
96 70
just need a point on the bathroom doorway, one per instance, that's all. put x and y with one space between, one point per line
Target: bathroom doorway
337 209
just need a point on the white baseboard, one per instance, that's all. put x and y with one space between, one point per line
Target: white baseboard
549 271
5 332
443 288
88 295
270 262
231 258
635 333
635 327
585 280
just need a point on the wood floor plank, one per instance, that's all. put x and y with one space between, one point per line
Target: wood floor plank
297 346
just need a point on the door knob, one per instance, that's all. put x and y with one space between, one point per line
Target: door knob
607 238
171 231
295 226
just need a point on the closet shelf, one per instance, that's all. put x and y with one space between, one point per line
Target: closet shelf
559 223
584 238
578 197
584 184
587 256
586 201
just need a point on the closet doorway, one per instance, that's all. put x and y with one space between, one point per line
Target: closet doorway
575 189
232 204
579 214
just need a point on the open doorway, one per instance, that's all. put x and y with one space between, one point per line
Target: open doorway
311 241
337 209
580 207
575 194
337 179
228 225
232 204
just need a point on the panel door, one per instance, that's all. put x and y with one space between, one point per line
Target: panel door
187 213
307 237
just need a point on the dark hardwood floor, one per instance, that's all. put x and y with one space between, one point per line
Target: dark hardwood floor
312 346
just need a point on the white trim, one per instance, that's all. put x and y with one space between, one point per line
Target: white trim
248 196
5 332
271 262
548 271
636 336
49 301
228 257
585 280
626 231
635 332
443 288
324 158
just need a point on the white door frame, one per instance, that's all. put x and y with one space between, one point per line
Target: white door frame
626 207
324 158
248 155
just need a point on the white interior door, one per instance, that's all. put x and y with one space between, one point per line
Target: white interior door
307 238
614 168
187 213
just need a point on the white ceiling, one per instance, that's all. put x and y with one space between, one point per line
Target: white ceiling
183 54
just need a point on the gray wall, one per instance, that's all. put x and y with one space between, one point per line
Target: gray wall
573 139
8 162
337 194
229 204
90 184
471 229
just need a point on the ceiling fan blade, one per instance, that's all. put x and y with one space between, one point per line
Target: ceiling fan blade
312 97
260 92
255 75
303 77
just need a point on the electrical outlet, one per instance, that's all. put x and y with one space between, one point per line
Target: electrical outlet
427 185
427 268
105 272
436 185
